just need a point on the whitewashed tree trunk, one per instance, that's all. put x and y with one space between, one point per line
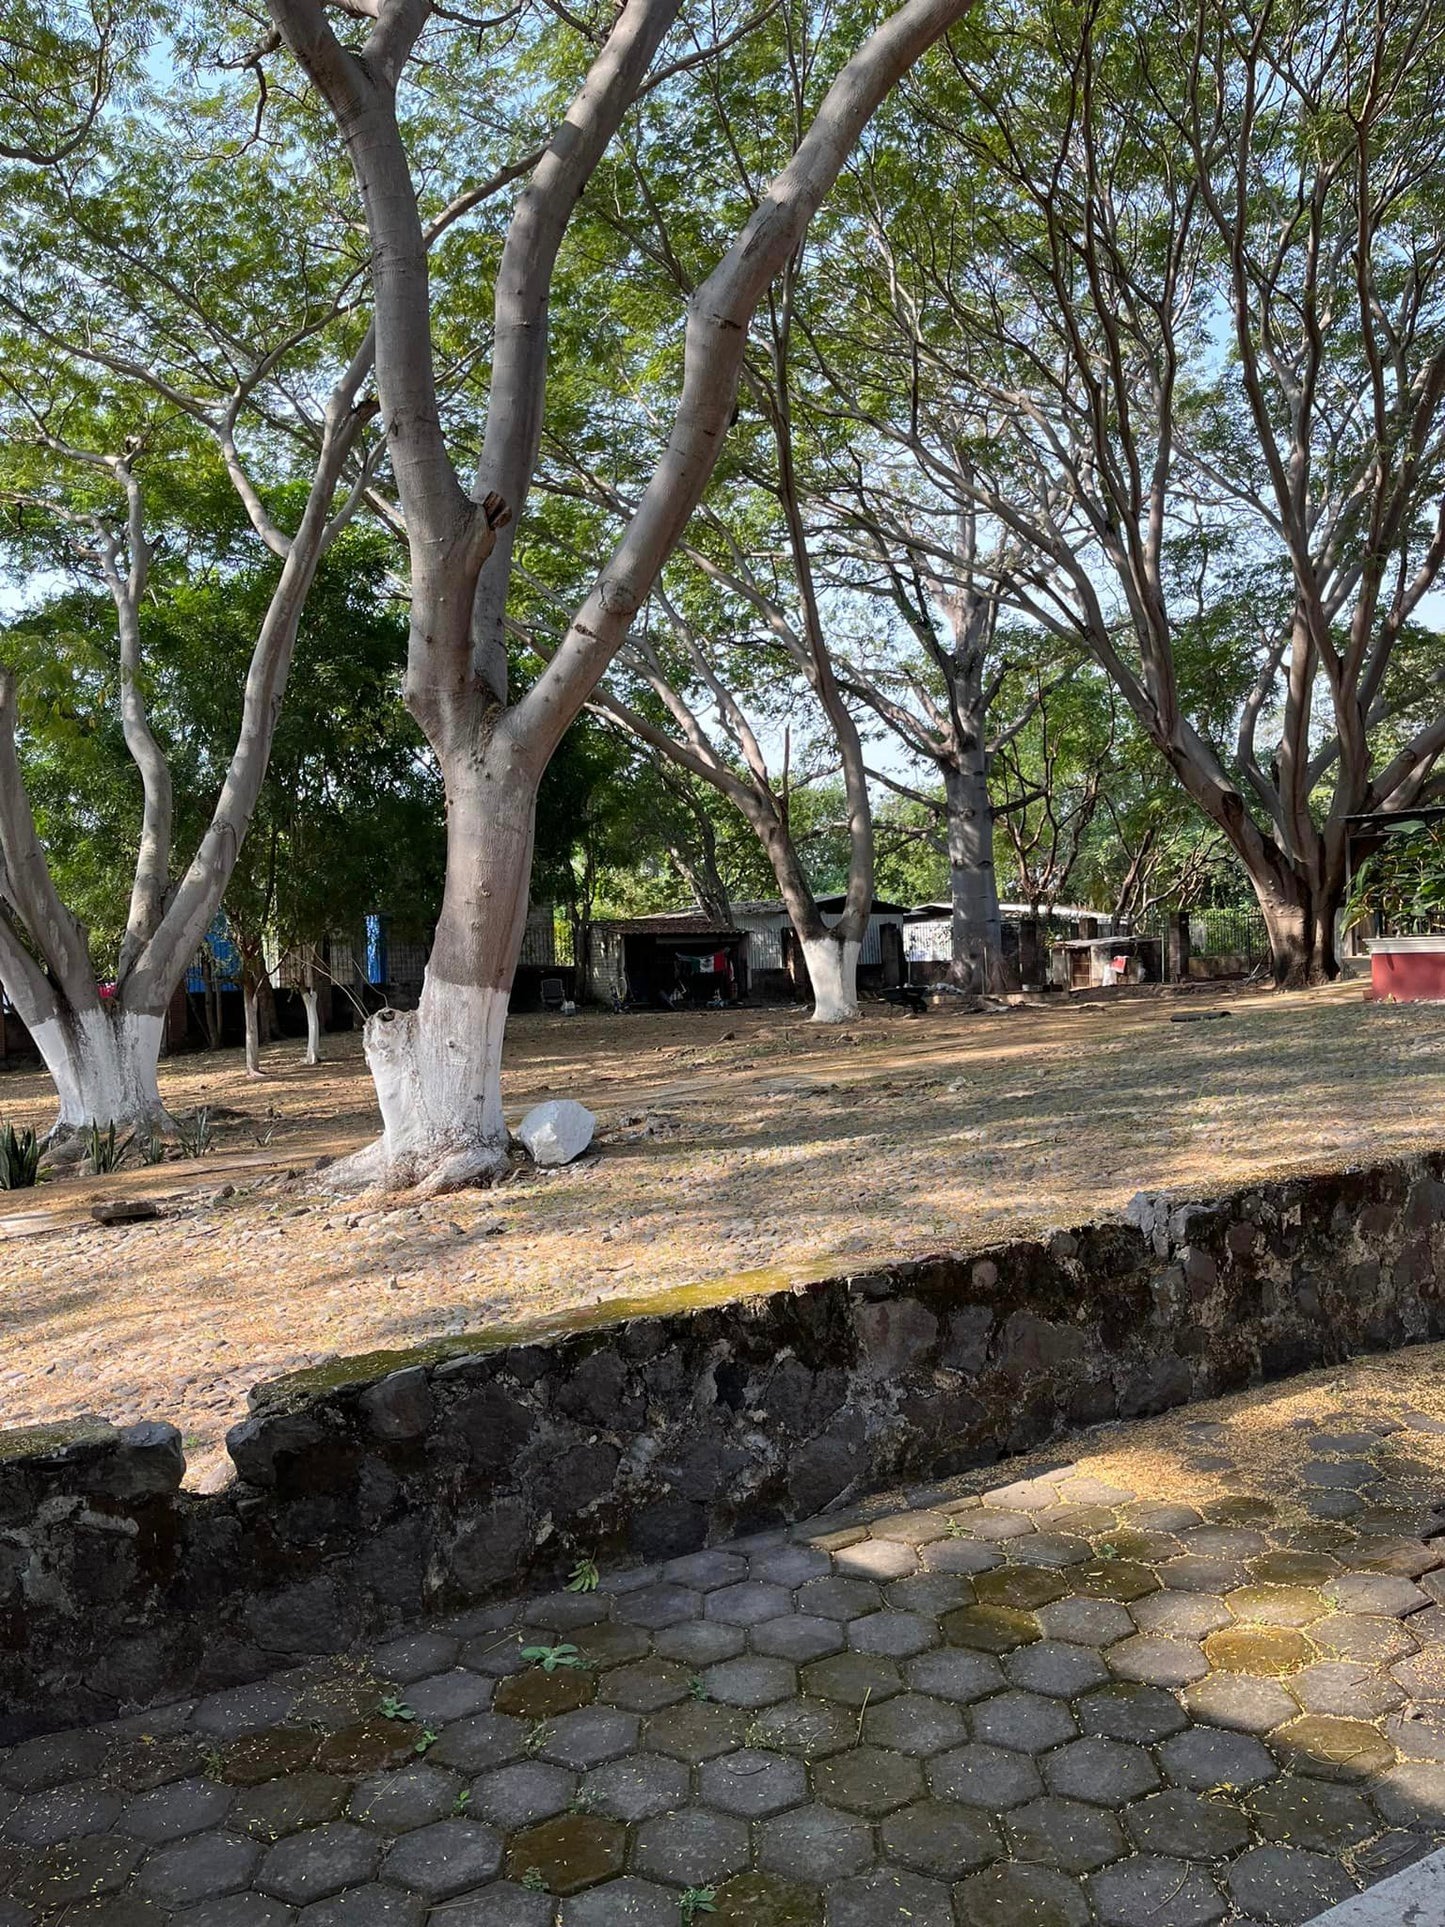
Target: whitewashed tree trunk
251 1002
833 970
103 1063
311 998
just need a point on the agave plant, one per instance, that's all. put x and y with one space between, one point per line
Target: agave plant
103 1152
19 1159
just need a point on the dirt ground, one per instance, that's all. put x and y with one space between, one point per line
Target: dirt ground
740 1146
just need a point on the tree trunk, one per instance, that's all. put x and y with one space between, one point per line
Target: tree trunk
103 1062
1301 925
977 959
437 1068
311 998
251 1000
833 970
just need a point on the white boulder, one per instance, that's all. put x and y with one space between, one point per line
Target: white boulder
557 1132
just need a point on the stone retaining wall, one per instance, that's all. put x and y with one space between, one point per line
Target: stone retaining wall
381 1488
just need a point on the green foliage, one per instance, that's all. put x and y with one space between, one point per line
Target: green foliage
584 1577
1403 882
103 1153
195 1135
551 1658
19 1159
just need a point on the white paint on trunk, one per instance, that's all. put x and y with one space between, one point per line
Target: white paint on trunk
312 1001
251 1001
833 972
103 1064
437 1071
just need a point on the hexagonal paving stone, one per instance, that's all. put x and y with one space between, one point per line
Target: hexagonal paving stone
694 1731
936 1837
989 1629
867 1779
540 1695
373 1905
1240 1701
408 1797
486 1739
503 1904
1082 1621
1052 1550
171 1812
751 1680
628 1902
1053 1667
998 1526
449 1696
445 1858
809 1728
789 1565
699 1642
1196 1572
231 1910
243 1709
695 1847
890 1897
415 1656
1019 1588
255 1757
839 1598
1187 1825
1181 1615
1155 1661
894 1635
1286 1886
815 1844
954 1673
1260 1650
1106 1773
646 1685
54 1758
590 1736
876 1559
1210 1756
198 1868
1347 1689
1024 1722
914 1723
1020 1896
64 1813
1332 1749
1423 1675
636 1786
82 1869
1310 1813
797 1636
1276 1605
279 1807
985 1776
1407 1556
1412 1794
311 1866
1149 1891
1371 1638
565 1855
1131 1711
747 1604
1286 1568
1385 1594
851 1679
659 1606
753 1783
751 1899
708 1570
917 1527
929 1592
1066 1834
959 1556
521 1794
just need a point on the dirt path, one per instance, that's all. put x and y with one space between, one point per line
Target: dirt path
728 1145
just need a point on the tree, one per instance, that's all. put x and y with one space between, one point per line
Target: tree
95 431
1200 322
437 1069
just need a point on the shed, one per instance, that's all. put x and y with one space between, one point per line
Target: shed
1097 963
775 955
674 958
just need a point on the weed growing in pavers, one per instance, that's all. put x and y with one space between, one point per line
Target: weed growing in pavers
697 1686
584 1577
549 1658
427 1738
393 1707
697 1900
534 1880
538 1734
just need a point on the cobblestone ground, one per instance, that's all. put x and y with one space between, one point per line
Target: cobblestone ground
1211 1690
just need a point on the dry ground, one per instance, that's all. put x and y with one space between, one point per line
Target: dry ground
727 1144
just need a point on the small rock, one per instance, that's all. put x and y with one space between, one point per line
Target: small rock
557 1132
125 1211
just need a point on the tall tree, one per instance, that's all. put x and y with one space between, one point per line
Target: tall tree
1190 277
437 1069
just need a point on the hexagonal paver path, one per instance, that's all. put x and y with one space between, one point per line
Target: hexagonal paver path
1182 1672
